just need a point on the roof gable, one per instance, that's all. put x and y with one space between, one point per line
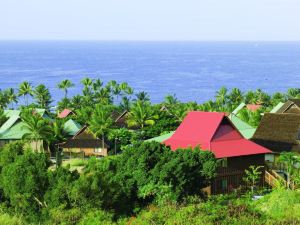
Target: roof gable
9 123
71 127
279 127
197 128
214 132
65 113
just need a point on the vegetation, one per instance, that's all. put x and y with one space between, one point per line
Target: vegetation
147 183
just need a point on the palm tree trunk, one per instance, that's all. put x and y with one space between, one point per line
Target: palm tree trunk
103 141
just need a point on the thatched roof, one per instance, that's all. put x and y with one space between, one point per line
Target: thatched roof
279 131
83 139
291 106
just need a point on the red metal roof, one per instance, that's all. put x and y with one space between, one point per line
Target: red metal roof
253 107
64 113
212 131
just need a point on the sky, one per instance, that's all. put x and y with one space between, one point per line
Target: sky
175 20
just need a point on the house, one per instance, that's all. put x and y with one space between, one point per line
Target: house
291 106
279 132
14 128
65 113
84 144
214 132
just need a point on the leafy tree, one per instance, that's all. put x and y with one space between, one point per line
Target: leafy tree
65 85
24 183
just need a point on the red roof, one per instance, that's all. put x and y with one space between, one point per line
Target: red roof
212 131
64 113
253 107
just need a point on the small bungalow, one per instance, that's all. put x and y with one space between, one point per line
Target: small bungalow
84 144
279 132
291 106
214 132
65 113
14 128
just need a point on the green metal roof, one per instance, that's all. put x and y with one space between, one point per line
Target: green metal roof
9 123
277 107
162 138
11 112
237 109
16 132
71 127
244 128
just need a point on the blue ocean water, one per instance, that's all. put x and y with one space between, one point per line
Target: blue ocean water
191 70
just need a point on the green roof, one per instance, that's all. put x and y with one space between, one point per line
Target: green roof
16 132
244 128
277 107
162 138
71 127
11 112
237 109
9 123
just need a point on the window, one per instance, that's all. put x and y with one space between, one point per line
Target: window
269 158
98 150
224 184
224 162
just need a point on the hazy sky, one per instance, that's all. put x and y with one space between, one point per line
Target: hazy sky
150 19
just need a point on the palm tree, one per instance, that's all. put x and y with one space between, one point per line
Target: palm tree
101 121
221 96
25 89
125 103
42 96
142 96
11 96
87 82
293 93
36 129
171 100
97 84
65 85
236 96
141 114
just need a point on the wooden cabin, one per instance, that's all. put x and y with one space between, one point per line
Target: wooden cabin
214 132
279 132
84 144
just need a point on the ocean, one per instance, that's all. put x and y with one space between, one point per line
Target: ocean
193 71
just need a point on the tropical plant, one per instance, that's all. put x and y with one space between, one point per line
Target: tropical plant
252 176
25 89
65 85
11 97
101 121
141 114
290 160
37 129
42 96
